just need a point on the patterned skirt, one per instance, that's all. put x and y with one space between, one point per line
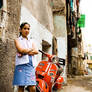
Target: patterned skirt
24 75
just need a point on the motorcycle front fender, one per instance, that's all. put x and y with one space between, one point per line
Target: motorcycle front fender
42 85
58 83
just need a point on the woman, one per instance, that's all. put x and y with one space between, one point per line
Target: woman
24 74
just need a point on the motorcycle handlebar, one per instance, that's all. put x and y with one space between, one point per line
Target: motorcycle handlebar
42 51
46 54
61 61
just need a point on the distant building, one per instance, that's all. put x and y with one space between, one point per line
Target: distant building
75 43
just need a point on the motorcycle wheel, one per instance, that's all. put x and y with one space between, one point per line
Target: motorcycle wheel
37 90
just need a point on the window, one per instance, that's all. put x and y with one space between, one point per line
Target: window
1 3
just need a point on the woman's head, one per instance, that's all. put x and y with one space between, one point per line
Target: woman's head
24 29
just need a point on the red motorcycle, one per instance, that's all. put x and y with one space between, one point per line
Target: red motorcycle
48 73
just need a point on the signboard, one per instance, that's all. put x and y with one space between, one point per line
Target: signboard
81 21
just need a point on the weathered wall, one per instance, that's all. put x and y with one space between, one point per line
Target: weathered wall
59 13
39 14
59 20
37 31
7 49
41 21
62 53
41 10
60 26
59 5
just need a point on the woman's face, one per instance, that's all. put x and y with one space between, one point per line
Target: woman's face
25 30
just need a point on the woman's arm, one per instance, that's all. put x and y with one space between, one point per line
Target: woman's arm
34 50
20 49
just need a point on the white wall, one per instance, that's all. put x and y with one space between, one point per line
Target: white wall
62 47
60 26
62 53
39 33
37 30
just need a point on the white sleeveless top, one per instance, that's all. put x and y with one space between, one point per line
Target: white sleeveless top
25 58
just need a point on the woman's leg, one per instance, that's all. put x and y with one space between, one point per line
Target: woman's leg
21 89
32 88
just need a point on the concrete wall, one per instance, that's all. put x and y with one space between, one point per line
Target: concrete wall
60 26
59 18
42 11
8 29
60 31
38 21
37 31
39 14
59 5
62 53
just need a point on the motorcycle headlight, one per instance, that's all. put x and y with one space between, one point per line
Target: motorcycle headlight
55 59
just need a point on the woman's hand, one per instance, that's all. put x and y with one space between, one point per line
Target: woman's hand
32 51
19 54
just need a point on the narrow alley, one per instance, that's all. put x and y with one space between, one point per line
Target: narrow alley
57 28
78 84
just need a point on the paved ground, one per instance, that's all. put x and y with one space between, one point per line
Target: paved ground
78 84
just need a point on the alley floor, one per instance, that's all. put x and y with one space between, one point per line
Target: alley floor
78 84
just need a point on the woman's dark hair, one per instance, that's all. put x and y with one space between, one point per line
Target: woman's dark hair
22 25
